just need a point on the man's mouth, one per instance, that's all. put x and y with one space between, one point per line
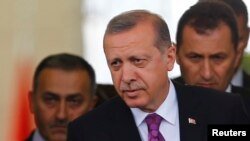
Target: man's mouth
131 93
207 85
59 129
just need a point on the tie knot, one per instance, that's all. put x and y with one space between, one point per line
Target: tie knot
153 121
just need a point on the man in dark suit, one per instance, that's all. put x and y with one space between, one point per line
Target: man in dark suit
209 47
63 89
139 54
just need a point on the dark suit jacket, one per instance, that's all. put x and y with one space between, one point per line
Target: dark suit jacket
246 80
245 94
246 83
113 121
242 91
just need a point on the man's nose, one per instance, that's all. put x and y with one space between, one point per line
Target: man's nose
128 73
62 110
206 70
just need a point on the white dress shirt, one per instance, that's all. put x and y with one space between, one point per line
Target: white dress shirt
169 111
37 136
229 89
237 79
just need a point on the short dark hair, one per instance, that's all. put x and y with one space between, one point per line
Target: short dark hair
205 16
239 8
67 62
127 20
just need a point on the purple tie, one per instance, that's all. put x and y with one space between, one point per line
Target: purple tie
153 121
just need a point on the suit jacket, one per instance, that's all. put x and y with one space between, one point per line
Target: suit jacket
245 94
113 121
235 89
242 91
246 80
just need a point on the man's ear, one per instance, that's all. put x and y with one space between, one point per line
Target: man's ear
177 59
177 56
244 42
93 102
238 56
247 37
171 56
31 102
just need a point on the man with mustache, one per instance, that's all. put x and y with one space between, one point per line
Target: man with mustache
150 106
63 89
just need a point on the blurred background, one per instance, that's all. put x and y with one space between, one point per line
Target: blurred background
33 29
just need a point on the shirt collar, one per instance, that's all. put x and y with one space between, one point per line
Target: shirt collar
237 79
167 110
229 89
37 136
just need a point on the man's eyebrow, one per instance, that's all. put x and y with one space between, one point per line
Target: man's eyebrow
56 95
193 53
73 95
50 93
114 59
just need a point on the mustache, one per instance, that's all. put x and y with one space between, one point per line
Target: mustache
59 123
132 86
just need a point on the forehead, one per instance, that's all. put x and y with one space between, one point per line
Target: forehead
140 36
217 39
63 82
141 31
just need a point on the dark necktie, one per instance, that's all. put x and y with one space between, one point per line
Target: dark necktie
153 122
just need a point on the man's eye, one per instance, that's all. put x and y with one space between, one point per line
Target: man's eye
194 57
115 65
139 62
75 102
218 58
49 100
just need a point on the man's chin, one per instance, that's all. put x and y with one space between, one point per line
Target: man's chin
58 137
134 103
59 134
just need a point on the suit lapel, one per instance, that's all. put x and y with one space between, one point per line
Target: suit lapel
246 80
192 127
127 129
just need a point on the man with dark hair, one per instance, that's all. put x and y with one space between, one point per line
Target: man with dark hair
63 89
208 47
139 55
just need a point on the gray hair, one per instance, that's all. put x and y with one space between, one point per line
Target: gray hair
129 19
